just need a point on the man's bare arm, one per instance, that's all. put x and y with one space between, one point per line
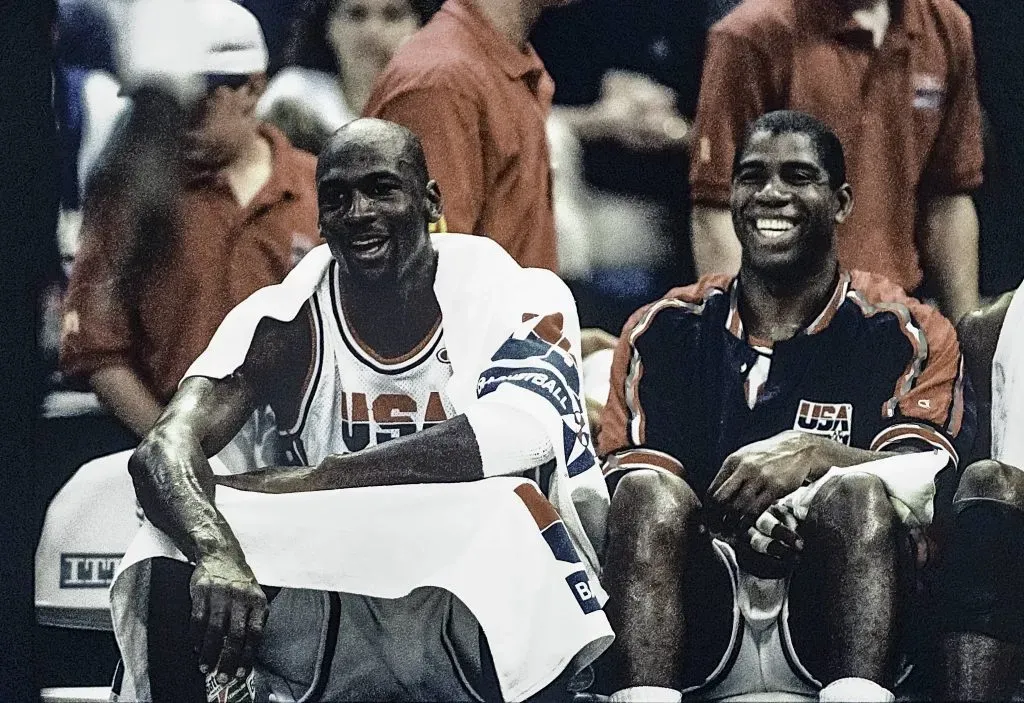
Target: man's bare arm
757 475
715 246
446 453
125 395
949 249
170 469
979 331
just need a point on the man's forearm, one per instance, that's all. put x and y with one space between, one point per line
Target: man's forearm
832 453
172 475
715 247
447 453
123 392
949 248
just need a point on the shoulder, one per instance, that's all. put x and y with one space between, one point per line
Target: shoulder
950 23
472 255
760 23
946 12
878 298
435 58
682 306
479 266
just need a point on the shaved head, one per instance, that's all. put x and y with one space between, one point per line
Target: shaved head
389 139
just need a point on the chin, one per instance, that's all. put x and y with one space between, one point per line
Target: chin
783 266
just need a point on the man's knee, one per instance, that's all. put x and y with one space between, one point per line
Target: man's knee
855 502
981 576
992 480
654 506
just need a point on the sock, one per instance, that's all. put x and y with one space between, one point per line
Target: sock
855 690
646 694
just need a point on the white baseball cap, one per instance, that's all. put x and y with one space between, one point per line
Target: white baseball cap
179 42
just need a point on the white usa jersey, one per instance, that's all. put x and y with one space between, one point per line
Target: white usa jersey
353 398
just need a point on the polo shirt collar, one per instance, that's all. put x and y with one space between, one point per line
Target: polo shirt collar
514 63
831 20
734 323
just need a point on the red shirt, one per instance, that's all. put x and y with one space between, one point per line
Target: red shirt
907 113
223 252
479 105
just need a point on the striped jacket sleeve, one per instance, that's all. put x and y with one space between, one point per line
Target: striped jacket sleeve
932 405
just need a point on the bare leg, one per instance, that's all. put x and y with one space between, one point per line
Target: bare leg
978 664
846 589
657 556
979 667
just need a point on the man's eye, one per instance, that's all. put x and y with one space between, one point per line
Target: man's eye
748 176
381 190
356 13
393 13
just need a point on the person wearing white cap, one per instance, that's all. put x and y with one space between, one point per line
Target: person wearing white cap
195 204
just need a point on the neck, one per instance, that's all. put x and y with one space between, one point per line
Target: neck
780 309
250 170
357 86
393 318
514 20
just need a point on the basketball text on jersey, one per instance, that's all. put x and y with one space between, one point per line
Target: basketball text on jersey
536 358
832 420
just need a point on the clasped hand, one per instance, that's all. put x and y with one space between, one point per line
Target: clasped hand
741 499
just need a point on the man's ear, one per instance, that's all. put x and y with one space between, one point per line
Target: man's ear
845 197
432 202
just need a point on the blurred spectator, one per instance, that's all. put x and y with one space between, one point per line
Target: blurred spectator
337 49
195 204
85 52
998 28
896 80
335 52
472 88
627 73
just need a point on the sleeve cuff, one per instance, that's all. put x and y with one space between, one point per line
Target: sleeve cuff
914 433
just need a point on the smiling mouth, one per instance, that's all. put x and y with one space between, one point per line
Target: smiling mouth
368 245
774 227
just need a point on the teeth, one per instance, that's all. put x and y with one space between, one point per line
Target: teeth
774 225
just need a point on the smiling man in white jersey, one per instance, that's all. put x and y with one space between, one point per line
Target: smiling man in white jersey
389 358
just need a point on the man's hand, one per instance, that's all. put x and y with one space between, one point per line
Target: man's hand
757 475
229 611
775 534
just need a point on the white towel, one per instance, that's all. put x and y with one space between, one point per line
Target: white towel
479 540
909 480
1008 387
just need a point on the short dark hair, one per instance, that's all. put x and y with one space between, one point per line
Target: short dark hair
825 141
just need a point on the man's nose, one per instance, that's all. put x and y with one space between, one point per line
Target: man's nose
362 207
773 190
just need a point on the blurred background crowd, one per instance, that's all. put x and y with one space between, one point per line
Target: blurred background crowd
640 86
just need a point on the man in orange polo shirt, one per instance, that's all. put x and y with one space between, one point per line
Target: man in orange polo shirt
471 87
185 218
896 81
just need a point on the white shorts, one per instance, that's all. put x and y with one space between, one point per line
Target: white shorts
760 662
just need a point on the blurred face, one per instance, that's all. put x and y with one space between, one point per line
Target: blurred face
223 122
783 209
364 34
374 210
